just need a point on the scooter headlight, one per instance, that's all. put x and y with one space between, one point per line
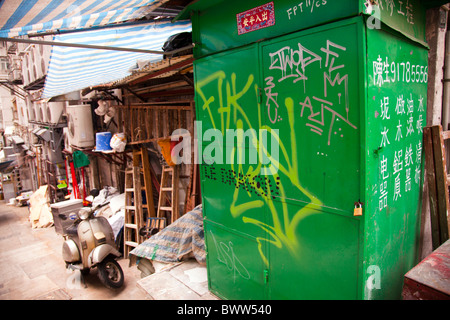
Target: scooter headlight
84 214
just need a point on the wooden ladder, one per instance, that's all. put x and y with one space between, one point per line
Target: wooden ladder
137 178
140 160
132 210
168 194
438 183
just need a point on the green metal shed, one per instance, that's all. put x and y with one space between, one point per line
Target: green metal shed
340 87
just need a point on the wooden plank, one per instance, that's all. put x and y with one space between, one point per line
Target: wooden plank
148 182
131 243
175 185
446 136
432 193
139 219
131 122
158 106
150 126
169 93
136 160
154 117
147 123
165 123
441 181
162 197
430 278
157 129
139 129
119 120
144 123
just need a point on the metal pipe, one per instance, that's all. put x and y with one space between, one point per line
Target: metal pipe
90 46
6 85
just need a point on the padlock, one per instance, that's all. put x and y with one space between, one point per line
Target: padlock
358 209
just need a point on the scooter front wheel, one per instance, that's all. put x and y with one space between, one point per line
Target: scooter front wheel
110 273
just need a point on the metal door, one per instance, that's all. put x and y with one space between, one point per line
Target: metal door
233 190
314 96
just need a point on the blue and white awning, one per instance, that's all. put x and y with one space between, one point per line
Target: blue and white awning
73 69
21 17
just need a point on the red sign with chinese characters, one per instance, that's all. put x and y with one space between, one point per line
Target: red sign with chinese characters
256 18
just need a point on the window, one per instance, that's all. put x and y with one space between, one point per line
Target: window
4 65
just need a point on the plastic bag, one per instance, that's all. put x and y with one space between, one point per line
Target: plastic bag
118 142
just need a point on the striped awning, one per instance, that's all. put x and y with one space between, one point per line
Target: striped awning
73 69
22 17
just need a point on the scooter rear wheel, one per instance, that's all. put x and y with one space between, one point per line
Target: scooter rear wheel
110 273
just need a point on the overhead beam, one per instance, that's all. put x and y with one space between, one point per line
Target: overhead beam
91 46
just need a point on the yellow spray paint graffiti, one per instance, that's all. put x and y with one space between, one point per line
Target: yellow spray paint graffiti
225 102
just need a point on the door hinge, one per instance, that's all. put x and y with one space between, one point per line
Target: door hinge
266 276
259 95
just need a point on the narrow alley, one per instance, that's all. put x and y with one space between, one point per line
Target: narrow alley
31 265
224 151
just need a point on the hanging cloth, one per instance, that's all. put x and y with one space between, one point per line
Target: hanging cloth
80 159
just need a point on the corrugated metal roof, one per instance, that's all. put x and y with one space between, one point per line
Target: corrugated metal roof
37 16
152 68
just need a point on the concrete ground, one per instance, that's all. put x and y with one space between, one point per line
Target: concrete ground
32 268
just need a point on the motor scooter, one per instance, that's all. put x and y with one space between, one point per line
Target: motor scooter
89 243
